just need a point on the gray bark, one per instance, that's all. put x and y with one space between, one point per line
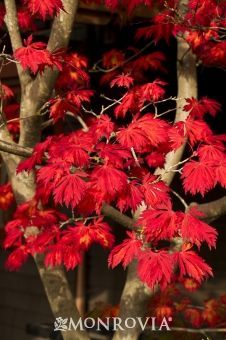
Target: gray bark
34 94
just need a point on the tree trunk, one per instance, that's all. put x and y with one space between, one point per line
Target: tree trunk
134 303
136 295
34 94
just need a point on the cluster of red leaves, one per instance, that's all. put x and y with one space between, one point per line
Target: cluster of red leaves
202 25
84 169
35 56
114 162
207 42
44 8
72 88
123 70
111 163
174 302
29 10
37 231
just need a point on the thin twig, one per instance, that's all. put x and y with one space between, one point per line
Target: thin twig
181 199
97 68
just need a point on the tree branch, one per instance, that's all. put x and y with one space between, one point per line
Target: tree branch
15 37
34 93
15 149
187 88
62 301
126 221
40 90
212 210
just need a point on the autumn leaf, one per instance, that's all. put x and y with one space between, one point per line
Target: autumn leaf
123 80
70 189
34 56
125 252
44 8
161 28
155 268
108 180
160 223
196 231
192 265
198 177
198 108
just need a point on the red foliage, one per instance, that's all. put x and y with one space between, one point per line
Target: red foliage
155 268
6 196
35 56
198 177
115 156
125 252
44 8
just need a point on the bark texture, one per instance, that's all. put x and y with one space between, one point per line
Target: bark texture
34 94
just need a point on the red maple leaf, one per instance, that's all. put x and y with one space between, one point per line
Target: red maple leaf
155 159
143 133
34 56
72 257
55 254
197 131
78 96
17 258
151 61
113 58
176 135
44 8
161 28
196 231
198 177
131 197
126 251
96 231
160 223
192 265
25 20
36 157
59 107
123 80
130 102
152 91
102 126
155 129
72 152
2 15
155 268
155 192
70 189
198 108
113 154
132 137
212 312
14 234
211 152
108 180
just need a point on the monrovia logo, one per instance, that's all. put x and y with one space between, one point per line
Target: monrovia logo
111 323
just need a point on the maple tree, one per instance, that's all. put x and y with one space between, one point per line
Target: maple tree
120 161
